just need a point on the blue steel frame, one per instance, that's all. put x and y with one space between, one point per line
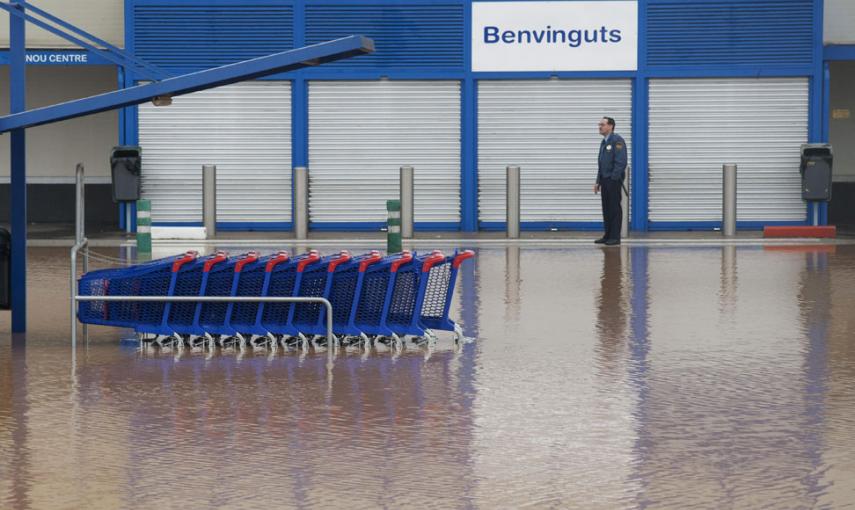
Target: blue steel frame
469 222
19 118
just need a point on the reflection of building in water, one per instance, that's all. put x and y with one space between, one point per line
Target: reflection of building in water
836 385
15 459
726 381
552 428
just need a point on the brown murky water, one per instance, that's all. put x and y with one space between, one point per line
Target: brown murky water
619 378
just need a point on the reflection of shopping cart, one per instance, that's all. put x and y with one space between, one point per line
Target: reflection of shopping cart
371 295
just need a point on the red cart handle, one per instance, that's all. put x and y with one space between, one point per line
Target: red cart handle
373 258
343 257
406 257
277 259
465 254
216 259
190 256
312 257
435 258
246 259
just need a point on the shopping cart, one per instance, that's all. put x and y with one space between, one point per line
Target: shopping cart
402 314
257 280
154 278
371 296
439 292
212 318
187 280
342 277
373 293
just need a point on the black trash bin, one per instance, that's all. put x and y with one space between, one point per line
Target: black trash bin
5 269
817 159
126 168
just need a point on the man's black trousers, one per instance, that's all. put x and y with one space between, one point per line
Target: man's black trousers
610 191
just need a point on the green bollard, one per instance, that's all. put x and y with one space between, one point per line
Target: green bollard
143 228
393 226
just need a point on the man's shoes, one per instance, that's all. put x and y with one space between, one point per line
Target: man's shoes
612 242
601 240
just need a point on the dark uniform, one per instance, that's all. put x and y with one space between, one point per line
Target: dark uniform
612 171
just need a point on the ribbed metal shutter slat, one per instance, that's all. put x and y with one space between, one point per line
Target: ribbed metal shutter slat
734 32
549 128
245 129
696 125
360 133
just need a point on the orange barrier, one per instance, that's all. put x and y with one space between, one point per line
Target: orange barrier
825 231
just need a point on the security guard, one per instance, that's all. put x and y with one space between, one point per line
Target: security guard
612 170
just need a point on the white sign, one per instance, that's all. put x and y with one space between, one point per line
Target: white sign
555 36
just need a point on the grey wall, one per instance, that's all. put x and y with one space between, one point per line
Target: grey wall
842 131
53 150
839 22
102 18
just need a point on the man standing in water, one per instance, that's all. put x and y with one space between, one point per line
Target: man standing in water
610 175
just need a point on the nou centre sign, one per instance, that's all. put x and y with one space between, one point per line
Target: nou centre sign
555 36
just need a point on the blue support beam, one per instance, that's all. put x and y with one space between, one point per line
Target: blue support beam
285 61
19 118
18 169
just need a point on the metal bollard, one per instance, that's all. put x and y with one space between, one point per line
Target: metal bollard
407 198
513 201
209 200
728 213
393 226
143 227
301 203
80 208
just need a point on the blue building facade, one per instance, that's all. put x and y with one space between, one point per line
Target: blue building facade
730 81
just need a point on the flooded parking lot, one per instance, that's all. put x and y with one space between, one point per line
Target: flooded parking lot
631 377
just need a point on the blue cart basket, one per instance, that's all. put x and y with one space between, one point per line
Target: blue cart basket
404 302
220 279
340 290
311 281
439 291
373 294
224 279
187 276
285 281
154 278
254 280
346 292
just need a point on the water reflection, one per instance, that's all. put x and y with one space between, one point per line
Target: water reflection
599 378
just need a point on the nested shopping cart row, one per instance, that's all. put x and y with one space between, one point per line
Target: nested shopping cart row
371 294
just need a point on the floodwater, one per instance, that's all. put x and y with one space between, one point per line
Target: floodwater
661 377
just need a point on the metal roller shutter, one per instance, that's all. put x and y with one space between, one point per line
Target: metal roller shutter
244 129
549 128
361 133
699 124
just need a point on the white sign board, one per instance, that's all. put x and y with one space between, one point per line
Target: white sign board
555 36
